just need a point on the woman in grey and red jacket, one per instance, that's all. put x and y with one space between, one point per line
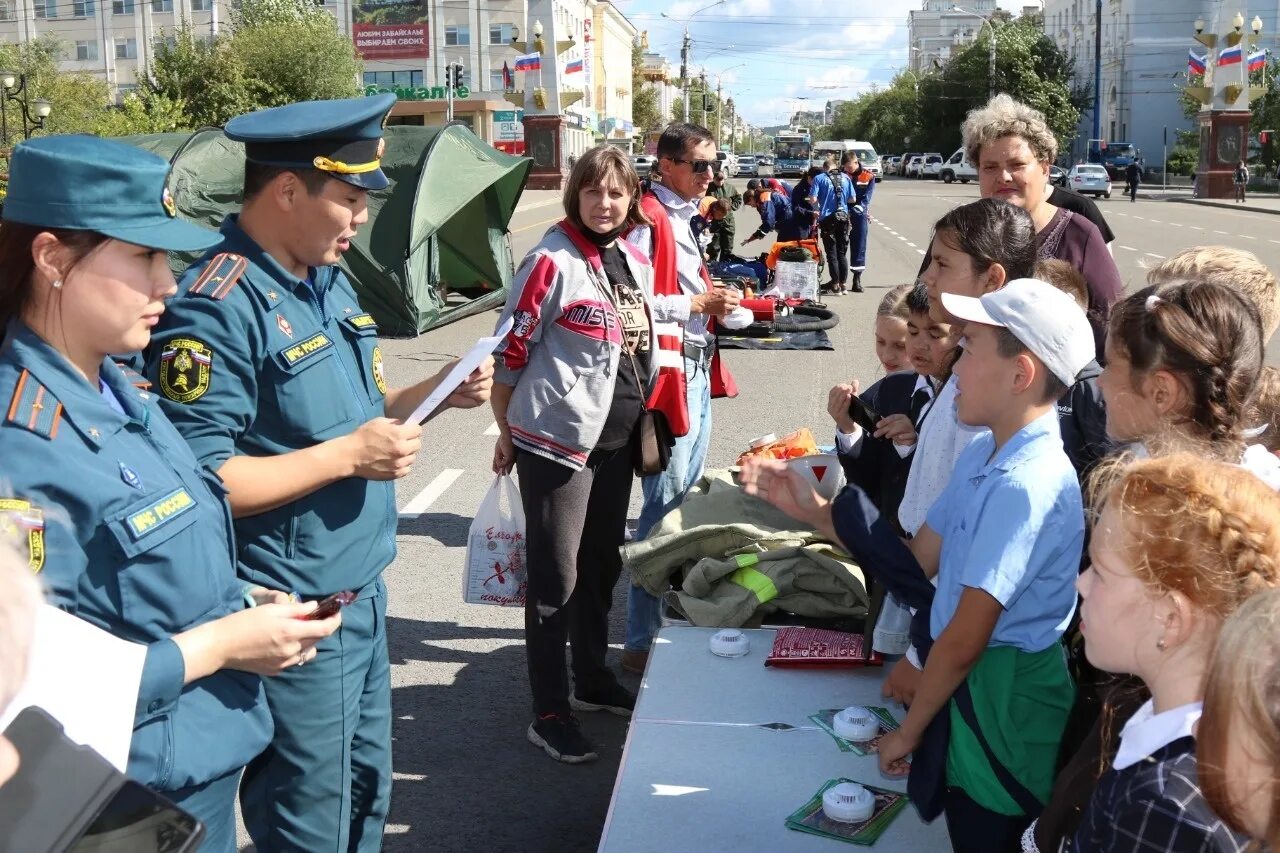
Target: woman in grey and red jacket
571 384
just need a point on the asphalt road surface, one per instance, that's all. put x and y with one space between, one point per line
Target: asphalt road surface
465 776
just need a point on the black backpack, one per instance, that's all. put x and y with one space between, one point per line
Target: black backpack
842 210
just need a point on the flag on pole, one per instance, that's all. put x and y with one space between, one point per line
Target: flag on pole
533 62
1257 60
573 66
508 79
1195 64
1230 56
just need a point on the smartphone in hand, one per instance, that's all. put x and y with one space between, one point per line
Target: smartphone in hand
863 415
331 605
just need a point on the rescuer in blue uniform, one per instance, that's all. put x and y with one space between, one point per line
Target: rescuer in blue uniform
124 526
272 371
864 184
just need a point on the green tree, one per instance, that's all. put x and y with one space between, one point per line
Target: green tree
292 50
78 100
697 113
206 77
645 114
142 114
888 118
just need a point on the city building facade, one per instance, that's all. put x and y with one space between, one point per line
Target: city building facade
940 28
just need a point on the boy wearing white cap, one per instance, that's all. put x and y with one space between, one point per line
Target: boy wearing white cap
1004 540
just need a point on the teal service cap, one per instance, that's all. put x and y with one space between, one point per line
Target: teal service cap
83 183
341 137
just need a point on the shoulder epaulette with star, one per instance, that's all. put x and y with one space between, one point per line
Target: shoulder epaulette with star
222 273
33 407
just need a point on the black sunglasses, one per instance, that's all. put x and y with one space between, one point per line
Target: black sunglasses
698 165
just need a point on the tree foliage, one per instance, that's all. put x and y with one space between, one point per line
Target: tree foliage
646 115
923 112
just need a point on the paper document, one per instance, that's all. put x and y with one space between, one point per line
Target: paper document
86 679
483 348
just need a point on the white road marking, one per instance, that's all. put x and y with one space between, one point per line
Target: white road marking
1220 232
912 245
493 429
1193 227
1248 236
1153 255
425 498
1275 241
1128 248
1155 221
921 251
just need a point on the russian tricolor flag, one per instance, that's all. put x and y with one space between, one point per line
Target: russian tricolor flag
1195 64
1257 60
1230 56
529 62
573 66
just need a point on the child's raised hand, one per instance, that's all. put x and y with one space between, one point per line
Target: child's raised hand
775 481
838 405
893 750
896 428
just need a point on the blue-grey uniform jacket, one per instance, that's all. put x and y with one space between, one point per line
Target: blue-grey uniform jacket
250 360
131 533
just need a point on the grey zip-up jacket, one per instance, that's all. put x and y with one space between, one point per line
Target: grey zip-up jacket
561 355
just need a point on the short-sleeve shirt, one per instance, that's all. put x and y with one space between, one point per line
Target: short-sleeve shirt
1012 525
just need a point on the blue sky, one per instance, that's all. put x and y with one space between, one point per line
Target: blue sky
773 61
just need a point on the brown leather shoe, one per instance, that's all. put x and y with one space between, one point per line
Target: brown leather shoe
634 662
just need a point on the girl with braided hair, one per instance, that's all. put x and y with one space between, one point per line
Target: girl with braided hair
1179 543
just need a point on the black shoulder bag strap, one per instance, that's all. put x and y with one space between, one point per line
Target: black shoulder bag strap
1026 800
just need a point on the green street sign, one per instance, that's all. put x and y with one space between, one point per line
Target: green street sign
419 93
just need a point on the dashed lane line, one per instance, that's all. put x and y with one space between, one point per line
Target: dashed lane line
425 498
493 429
1127 248
1153 255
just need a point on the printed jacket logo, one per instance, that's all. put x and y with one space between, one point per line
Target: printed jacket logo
591 319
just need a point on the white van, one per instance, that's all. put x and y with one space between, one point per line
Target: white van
835 149
958 168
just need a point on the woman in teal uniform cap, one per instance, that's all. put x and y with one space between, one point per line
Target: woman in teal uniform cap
127 530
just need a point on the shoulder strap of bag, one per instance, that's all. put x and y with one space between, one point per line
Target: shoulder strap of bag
837 181
1026 800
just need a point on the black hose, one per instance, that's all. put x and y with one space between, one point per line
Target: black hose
804 318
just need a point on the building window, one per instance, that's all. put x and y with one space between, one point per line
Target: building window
126 48
86 51
457 36
161 5
495 81
500 33
83 8
122 7
45 8
201 5
394 79
7 12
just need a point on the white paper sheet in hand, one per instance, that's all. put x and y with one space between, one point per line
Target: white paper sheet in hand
483 348
86 679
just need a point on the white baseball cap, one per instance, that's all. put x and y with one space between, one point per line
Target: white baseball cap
1047 321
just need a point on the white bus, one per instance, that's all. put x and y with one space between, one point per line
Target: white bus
835 149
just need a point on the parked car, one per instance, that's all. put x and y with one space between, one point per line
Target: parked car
747 166
958 168
1057 176
764 160
913 166
930 166
728 161
643 163
906 161
1090 179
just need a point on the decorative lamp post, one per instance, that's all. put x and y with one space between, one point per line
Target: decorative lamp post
33 113
1224 104
544 121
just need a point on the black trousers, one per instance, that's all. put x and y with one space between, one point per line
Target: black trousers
835 242
575 524
975 829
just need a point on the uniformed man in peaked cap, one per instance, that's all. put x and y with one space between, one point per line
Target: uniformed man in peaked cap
271 369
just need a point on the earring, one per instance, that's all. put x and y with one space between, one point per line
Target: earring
57 284
1160 645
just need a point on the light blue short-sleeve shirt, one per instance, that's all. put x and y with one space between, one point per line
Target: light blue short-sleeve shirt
1012 525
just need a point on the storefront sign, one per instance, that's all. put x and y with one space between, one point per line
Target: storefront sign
421 93
397 41
508 126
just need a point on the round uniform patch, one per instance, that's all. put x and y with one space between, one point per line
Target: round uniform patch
379 375
23 525
185 367
166 198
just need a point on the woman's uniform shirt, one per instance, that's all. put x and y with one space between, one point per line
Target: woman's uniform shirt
130 533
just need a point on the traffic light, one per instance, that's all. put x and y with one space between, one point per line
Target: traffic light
453 75
708 102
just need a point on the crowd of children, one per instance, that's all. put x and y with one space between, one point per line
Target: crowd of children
1120 505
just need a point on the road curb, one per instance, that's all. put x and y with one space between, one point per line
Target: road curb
1227 205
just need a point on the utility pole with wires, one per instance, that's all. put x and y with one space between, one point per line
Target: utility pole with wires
684 72
703 95
719 115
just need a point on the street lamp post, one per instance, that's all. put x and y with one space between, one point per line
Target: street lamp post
33 114
1224 113
685 49
720 104
991 52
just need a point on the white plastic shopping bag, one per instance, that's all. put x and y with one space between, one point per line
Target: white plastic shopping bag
495 571
798 279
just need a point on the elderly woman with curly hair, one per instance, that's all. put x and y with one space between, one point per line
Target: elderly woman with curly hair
1013 147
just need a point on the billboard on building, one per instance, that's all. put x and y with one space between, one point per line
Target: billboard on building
396 29
508 131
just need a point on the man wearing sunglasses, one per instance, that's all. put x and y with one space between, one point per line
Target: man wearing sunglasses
686 162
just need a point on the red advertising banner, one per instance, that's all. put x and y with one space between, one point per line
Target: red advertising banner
391 41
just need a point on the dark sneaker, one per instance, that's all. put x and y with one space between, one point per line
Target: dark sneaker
615 699
634 662
559 736
857 282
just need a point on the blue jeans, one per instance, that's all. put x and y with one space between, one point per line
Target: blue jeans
664 492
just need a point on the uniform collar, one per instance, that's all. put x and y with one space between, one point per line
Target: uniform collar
238 241
1022 445
672 201
81 402
1148 732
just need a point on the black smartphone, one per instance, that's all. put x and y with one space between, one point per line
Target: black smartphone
66 797
332 605
863 415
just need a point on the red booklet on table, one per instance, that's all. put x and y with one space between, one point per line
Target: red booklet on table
816 647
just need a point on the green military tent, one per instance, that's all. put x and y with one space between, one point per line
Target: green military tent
435 247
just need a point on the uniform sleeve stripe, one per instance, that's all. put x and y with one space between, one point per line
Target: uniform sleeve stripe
17 397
